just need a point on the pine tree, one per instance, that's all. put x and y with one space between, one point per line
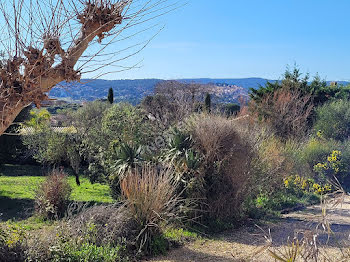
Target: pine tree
110 95
207 103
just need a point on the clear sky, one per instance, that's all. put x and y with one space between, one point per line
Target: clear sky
249 38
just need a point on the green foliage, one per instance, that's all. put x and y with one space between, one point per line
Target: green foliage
333 120
110 97
124 123
299 186
187 162
335 167
293 80
316 149
108 136
231 109
180 235
265 205
53 148
87 252
159 245
124 158
92 143
39 119
49 147
179 143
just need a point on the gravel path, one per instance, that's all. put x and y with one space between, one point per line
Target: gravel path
248 244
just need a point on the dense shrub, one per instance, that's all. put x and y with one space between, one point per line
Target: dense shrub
124 123
49 147
52 195
333 120
230 109
316 150
226 165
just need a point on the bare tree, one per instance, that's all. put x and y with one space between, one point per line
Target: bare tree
45 42
185 95
287 111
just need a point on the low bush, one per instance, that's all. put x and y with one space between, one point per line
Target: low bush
13 243
333 120
103 225
52 195
87 252
66 242
316 150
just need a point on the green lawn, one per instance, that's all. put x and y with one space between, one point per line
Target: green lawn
17 192
20 182
23 187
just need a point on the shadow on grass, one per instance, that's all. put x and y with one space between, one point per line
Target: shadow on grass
21 170
28 170
15 209
21 209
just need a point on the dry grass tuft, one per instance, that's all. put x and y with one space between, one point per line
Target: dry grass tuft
152 200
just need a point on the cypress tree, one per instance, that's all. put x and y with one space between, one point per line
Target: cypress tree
110 95
207 103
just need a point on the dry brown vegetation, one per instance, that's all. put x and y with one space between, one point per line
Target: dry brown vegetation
286 111
52 195
153 200
227 163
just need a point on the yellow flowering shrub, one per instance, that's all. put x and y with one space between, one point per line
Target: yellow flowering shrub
299 184
331 167
12 235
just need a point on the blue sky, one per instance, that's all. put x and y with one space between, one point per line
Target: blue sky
249 38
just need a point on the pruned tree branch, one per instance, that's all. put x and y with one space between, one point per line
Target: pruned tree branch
40 51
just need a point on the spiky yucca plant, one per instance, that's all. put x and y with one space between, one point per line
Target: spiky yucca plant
126 156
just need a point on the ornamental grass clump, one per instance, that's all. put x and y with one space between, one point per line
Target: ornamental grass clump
52 195
153 200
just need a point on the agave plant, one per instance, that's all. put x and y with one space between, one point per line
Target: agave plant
126 156
181 155
178 144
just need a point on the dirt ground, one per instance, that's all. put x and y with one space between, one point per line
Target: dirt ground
249 243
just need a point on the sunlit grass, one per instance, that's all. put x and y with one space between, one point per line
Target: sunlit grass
23 187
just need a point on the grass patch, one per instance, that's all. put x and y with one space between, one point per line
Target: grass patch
23 187
20 182
180 235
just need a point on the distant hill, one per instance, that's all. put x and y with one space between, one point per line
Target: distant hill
133 91
88 90
245 83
